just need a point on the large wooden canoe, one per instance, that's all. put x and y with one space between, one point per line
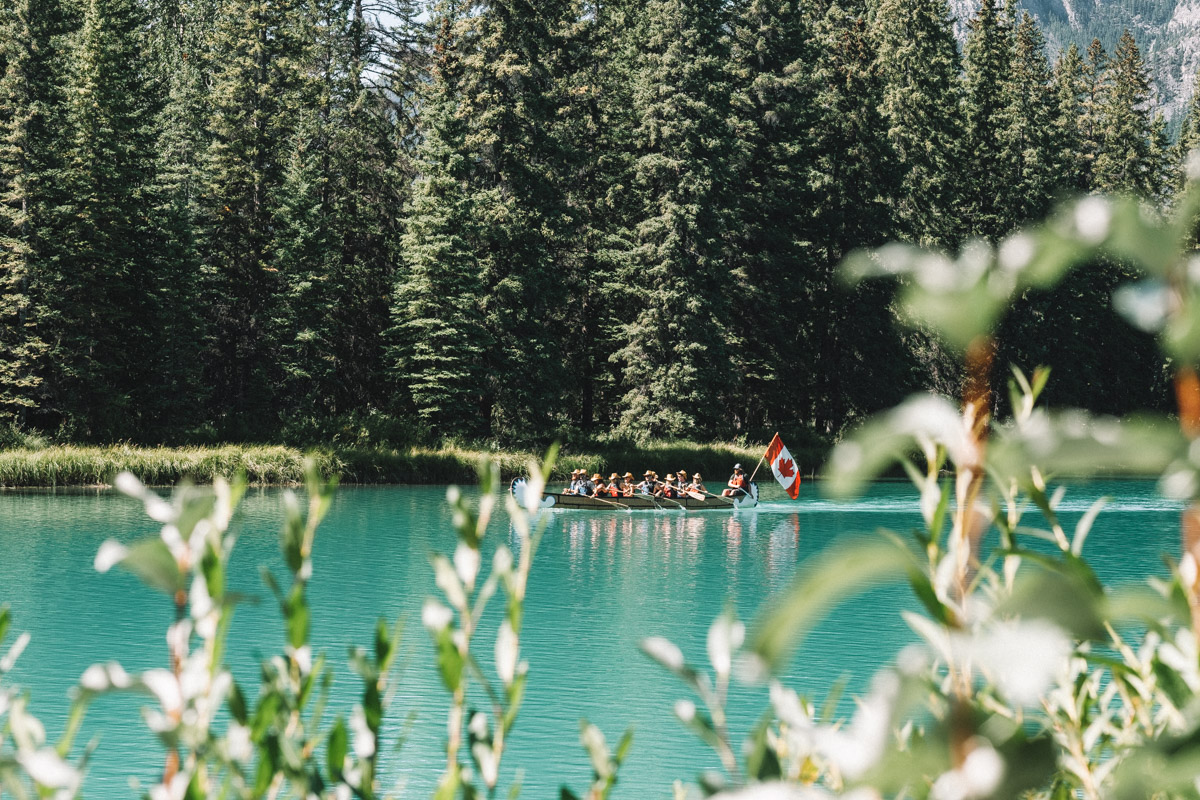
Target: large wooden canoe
640 502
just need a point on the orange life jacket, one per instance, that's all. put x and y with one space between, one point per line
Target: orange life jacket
614 491
738 481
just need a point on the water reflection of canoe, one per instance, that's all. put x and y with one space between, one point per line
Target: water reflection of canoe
640 502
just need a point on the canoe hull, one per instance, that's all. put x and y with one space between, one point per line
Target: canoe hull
639 502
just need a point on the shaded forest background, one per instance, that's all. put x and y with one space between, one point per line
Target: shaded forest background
377 220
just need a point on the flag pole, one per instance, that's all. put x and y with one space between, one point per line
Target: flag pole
760 459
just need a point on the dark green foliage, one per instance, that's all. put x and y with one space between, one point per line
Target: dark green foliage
439 338
506 95
677 350
1129 157
253 80
989 62
103 312
775 267
399 222
919 61
1033 163
28 105
855 176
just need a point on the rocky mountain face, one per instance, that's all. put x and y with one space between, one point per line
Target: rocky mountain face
1167 32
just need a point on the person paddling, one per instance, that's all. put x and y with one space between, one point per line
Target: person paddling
647 484
627 485
614 487
737 483
574 487
697 484
669 491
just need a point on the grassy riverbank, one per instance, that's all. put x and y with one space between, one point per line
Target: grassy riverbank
71 465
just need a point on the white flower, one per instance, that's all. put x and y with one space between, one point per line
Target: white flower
856 749
446 578
302 656
47 768
237 739
1016 252
109 555
117 676
1092 218
685 710
94 678
179 635
128 483
502 561
174 789
489 764
724 636
466 563
507 652
164 685
1022 658
14 652
663 651
435 616
199 599
979 775
364 739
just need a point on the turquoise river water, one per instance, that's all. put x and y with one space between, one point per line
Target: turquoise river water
601 582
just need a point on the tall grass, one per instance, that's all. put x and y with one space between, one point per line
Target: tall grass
72 465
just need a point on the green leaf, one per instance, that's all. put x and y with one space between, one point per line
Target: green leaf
337 748
237 703
383 644
151 560
298 616
821 583
449 660
623 746
1065 592
923 588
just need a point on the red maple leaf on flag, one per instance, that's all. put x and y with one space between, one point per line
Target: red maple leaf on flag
786 468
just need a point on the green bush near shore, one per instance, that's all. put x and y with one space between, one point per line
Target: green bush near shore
70 465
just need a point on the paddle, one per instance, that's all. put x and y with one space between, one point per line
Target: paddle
676 502
610 502
729 500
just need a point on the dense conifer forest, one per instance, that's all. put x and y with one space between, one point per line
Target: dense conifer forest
512 220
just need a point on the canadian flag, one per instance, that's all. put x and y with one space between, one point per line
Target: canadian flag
784 467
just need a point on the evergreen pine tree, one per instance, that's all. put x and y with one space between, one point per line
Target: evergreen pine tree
1126 161
593 91
1095 83
1189 134
851 368
439 338
1032 155
254 88
918 58
771 255
989 57
676 356
508 97
28 96
105 305
1070 87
